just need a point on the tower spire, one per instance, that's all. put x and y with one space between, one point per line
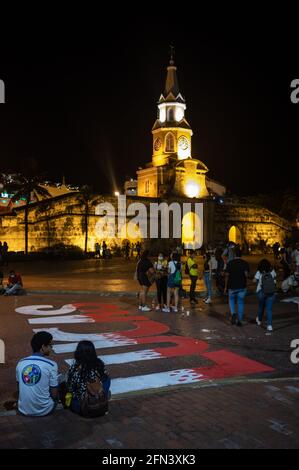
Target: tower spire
172 54
171 85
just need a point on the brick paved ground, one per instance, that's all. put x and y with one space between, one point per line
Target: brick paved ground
246 415
257 411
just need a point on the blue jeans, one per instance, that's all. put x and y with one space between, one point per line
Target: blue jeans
208 283
239 296
265 301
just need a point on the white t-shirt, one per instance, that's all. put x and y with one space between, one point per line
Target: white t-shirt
172 267
35 375
258 278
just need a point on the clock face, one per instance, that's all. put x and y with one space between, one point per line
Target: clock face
183 143
157 144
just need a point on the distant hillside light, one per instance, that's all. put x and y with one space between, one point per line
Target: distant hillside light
2 92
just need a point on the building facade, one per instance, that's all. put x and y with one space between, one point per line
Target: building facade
173 176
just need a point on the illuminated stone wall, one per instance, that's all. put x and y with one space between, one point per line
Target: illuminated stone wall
258 226
60 220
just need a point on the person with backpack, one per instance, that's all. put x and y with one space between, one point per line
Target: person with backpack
191 269
88 383
266 289
236 273
174 282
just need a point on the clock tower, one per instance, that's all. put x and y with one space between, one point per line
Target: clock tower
172 170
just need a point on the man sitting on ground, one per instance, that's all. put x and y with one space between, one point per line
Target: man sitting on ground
15 284
37 378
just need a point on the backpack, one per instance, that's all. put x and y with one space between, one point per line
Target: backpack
268 284
94 402
177 277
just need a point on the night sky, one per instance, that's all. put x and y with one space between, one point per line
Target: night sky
83 105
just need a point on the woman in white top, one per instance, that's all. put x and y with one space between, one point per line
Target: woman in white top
266 288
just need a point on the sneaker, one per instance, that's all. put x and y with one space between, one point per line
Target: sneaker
166 310
175 310
239 323
140 307
158 307
269 328
234 319
208 301
258 322
145 309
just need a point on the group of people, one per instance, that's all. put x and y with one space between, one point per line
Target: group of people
288 258
14 284
84 389
226 267
102 251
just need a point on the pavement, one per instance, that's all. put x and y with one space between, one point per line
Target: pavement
179 381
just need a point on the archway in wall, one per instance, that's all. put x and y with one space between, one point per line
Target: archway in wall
234 235
191 231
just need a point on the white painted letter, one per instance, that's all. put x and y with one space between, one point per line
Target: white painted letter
295 93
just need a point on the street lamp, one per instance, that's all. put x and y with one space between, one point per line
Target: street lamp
116 193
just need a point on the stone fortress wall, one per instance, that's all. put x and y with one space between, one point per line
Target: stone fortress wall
60 220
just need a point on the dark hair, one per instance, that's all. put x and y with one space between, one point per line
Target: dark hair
145 254
175 256
40 339
264 266
86 357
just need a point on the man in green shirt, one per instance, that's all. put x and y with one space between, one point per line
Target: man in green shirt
193 273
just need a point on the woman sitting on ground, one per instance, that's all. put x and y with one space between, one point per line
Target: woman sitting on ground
87 369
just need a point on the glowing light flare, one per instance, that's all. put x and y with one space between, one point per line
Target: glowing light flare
192 189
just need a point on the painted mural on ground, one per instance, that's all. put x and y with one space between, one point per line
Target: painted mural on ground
144 331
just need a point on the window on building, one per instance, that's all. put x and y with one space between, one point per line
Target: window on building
170 114
169 143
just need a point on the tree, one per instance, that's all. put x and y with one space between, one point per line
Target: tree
47 210
26 187
87 199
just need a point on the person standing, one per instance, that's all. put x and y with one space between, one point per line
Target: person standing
266 288
5 254
192 269
138 250
145 272
161 269
207 275
229 253
236 275
174 282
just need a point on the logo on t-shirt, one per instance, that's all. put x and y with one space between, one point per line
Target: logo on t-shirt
31 374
